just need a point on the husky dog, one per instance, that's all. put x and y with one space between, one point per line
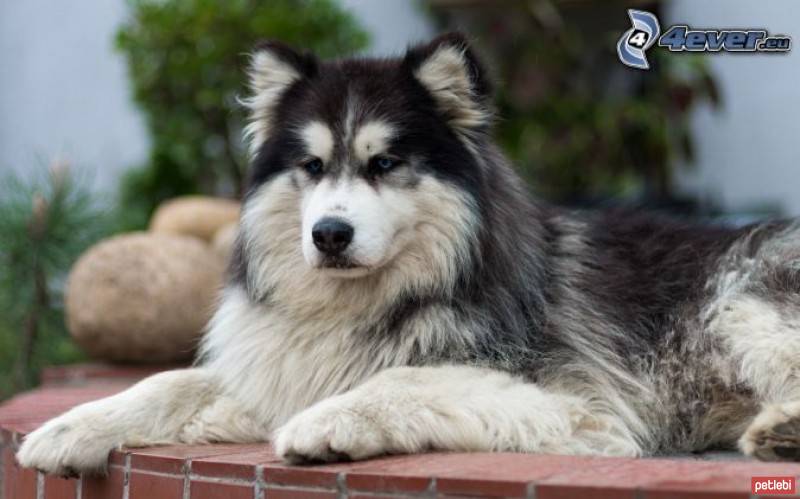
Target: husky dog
395 289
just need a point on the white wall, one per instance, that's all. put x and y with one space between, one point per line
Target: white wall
64 93
392 24
63 90
749 151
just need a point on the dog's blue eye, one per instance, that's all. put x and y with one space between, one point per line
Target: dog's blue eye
313 166
384 163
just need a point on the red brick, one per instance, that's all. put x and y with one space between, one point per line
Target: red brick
6 437
406 474
298 493
222 469
604 478
410 471
583 492
172 458
241 465
108 487
367 495
117 457
59 488
496 474
212 490
167 459
480 487
81 373
28 411
593 479
378 482
757 468
699 495
24 483
150 486
303 476
9 472
700 486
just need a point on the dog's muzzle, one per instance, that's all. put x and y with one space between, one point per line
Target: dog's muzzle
332 235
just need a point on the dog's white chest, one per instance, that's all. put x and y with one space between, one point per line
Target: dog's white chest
277 366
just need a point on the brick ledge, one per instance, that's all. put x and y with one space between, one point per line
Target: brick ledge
254 472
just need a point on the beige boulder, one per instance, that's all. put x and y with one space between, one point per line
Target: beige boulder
198 216
143 297
225 239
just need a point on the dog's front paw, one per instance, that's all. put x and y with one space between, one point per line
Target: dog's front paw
774 435
65 446
336 429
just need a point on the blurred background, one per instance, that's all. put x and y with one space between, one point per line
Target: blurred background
109 108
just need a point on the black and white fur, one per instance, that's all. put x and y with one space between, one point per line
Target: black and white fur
463 315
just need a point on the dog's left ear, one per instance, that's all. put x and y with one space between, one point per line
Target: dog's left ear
448 68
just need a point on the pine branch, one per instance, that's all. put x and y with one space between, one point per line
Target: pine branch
45 223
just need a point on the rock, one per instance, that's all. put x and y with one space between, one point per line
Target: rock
224 240
198 216
143 297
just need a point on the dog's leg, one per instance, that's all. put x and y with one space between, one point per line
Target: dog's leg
177 406
413 409
762 348
774 435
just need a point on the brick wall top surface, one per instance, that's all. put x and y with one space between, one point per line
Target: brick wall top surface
254 472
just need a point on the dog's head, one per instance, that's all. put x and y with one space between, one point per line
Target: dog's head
364 166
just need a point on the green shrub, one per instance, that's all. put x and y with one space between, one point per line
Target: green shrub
45 224
581 126
187 61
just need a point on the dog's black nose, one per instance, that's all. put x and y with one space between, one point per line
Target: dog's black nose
332 235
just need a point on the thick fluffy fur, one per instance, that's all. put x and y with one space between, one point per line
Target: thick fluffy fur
463 315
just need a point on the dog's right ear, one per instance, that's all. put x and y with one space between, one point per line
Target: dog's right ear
449 69
274 67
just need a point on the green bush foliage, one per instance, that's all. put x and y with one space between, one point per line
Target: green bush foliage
187 61
45 223
582 127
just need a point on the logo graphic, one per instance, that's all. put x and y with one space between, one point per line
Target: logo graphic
633 44
773 485
681 38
